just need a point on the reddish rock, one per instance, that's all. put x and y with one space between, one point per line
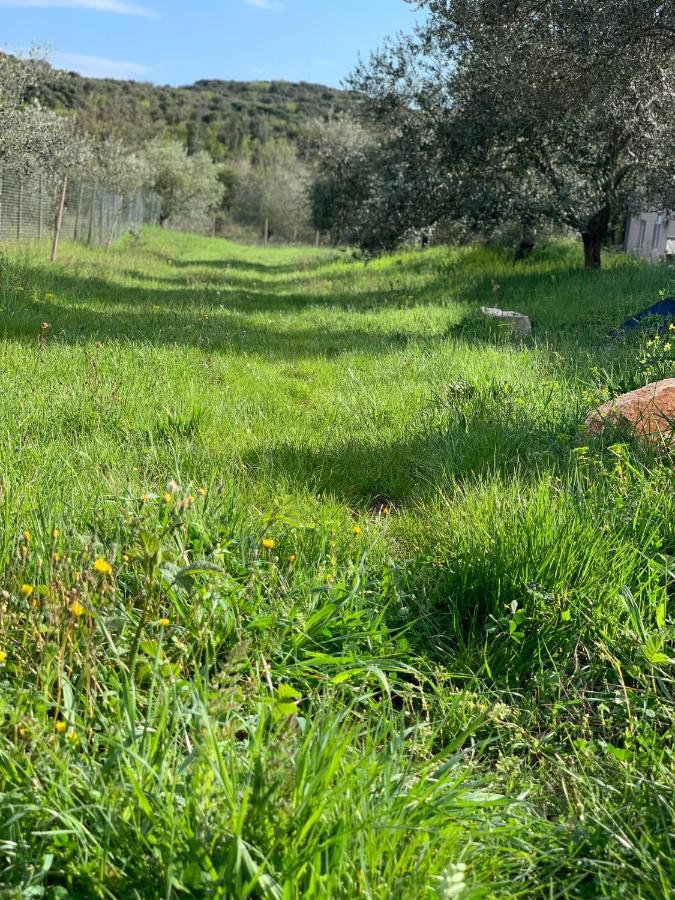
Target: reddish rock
649 412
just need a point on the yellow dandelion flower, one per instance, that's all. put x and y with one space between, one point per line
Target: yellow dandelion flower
292 558
56 557
60 727
3 656
26 589
167 498
72 736
102 566
56 534
202 492
267 543
145 498
24 733
125 557
26 535
357 530
163 623
77 609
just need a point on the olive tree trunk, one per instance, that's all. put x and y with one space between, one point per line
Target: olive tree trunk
593 236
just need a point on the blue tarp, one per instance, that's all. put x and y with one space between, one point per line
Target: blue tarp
664 309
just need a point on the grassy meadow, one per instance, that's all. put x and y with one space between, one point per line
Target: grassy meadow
311 585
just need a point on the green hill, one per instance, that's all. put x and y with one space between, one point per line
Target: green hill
218 116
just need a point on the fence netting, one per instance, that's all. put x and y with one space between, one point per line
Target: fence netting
29 206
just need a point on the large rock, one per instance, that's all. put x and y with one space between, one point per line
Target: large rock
517 322
647 412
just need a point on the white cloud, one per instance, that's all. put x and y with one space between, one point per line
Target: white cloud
111 6
266 4
97 66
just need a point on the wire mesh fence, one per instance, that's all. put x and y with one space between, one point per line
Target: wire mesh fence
31 207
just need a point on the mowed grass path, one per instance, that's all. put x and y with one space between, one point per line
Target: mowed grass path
313 586
295 372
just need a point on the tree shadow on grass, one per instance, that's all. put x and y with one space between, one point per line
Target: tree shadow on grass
236 333
396 474
582 314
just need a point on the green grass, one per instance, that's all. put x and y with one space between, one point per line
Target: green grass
449 673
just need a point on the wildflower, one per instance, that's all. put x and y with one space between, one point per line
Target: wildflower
26 589
145 498
72 736
77 609
102 566
125 557
3 656
44 326
56 557
267 543
357 530
26 535
167 498
667 347
292 558
172 487
60 727
24 733
202 491
56 534
163 623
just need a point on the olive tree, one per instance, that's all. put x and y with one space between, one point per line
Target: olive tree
32 138
188 185
271 191
562 110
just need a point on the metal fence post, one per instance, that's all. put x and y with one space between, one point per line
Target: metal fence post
91 213
77 212
40 198
59 220
19 209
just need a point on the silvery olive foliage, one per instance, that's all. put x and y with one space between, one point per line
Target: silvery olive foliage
272 187
188 185
542 110
120 170
32 138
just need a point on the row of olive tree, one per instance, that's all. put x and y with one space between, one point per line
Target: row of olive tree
558 112
35 139
265 189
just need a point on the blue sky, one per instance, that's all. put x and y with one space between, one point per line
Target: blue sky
179 41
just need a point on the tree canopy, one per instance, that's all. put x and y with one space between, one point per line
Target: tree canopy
541 110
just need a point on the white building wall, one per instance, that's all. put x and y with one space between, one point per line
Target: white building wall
648 235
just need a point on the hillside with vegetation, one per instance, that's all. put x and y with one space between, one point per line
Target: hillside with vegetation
221 117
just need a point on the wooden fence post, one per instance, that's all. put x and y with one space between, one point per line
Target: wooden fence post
267 231
0 201
59 220
318 239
